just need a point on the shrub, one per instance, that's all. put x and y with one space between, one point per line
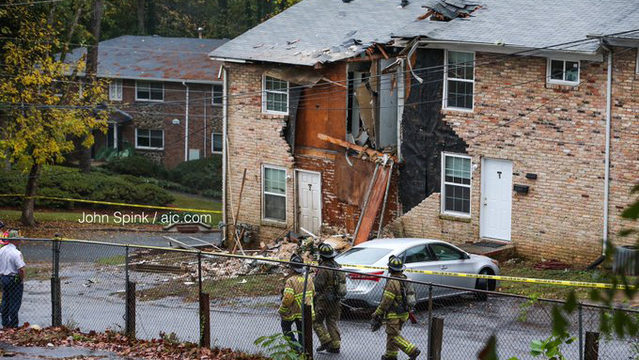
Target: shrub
64 183
200 175
137 165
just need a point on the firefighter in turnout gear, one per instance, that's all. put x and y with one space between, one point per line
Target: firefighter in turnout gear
330 288
394 309
292 296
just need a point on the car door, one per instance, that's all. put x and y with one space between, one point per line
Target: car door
449 259
419 258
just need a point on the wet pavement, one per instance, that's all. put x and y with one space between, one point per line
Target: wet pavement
51 353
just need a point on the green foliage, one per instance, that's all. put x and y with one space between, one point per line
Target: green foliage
525 307
136 165
279 347
550 348
61 182
200 175
109 154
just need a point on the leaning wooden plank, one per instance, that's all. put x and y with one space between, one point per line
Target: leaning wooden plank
345 144
369 213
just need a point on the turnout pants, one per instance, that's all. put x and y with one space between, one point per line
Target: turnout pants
326 323
12 289
395 341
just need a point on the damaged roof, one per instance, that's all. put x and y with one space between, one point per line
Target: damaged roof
321 31
534 23
155 57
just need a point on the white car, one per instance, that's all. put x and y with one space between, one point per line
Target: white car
365 290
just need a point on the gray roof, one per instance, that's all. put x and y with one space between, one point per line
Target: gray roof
315 31
318 30
155 57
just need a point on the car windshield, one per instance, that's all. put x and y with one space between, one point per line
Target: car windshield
362 256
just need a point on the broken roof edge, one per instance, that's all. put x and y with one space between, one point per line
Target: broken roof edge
505 49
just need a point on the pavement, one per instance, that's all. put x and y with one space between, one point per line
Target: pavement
51 353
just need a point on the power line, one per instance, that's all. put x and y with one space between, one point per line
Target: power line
30 3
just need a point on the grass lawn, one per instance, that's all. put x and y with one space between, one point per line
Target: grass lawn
232 288
41 216
526 269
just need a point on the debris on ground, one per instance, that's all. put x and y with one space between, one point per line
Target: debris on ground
551 265
161 349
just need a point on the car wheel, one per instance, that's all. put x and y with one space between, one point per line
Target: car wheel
484 284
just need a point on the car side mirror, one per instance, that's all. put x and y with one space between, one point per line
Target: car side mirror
466 256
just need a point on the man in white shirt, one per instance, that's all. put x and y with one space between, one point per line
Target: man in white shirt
12 276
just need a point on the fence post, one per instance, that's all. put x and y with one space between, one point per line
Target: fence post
436 338
56 295
430 317
592 346
130 310
581 332
205 308
307 320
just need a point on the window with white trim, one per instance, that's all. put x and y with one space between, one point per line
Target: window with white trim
274 96
459 80
274 193
456 183
217 94
115 90
563 72
149 91
217 143
149 139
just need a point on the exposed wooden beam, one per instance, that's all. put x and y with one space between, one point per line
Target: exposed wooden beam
374 154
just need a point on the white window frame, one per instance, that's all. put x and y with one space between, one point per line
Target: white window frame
445 88
213 151
264 95
443 186
562 82
149 99
115 90
264 217
219 99
148 147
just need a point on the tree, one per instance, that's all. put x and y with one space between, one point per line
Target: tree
42 106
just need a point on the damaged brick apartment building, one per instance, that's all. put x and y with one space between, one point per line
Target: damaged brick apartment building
167 96
468 121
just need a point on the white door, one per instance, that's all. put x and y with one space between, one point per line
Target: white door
496 199
309 192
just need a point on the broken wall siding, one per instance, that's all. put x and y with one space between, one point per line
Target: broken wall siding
424 134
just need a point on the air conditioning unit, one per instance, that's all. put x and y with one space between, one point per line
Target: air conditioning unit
626 260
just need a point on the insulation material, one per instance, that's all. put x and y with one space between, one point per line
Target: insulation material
365 101
424 133
296 75
351 182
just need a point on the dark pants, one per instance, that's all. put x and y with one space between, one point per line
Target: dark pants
12 289
287 329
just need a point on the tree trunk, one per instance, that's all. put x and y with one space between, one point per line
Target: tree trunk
141 21
92 69
28 203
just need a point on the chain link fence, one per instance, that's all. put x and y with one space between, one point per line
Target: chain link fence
225 301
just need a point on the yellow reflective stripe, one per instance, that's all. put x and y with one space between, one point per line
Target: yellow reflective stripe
389 295
289 291
393 315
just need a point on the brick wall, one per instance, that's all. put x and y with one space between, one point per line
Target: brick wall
556 132
255 139
160 115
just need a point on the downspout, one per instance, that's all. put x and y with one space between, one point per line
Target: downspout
607 157
224 146
204 151
186 123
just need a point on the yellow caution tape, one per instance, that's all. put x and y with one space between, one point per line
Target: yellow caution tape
581 284
113 203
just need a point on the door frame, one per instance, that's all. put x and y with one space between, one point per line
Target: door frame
482 212
297 196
